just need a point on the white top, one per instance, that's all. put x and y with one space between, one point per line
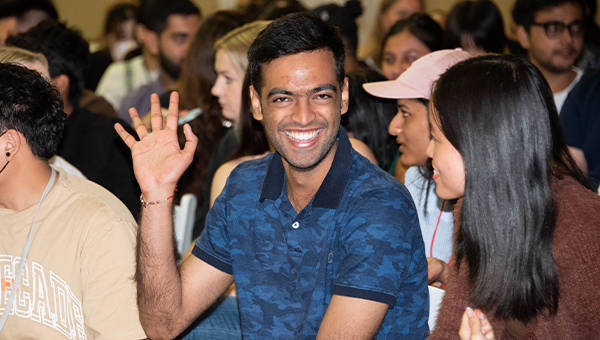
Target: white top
561 96
429 214
123 77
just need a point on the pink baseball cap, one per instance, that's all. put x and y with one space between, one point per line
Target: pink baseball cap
417 80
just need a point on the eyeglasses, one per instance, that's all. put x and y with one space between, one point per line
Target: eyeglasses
2 134
554 29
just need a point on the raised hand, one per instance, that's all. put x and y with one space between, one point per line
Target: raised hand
158 161
475 326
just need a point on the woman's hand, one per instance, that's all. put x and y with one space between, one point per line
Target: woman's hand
475 326
437 270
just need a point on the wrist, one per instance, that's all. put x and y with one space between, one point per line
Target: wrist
156 197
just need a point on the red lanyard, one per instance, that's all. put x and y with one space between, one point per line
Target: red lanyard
436 228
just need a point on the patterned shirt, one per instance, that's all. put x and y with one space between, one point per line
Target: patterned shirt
359 237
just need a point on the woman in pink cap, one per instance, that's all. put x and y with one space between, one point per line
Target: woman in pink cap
410 126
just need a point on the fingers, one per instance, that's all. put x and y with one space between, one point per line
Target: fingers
191 141
137 123
125 136
465 330
173 114
156 117
486 326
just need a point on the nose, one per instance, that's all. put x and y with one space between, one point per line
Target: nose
302 112
396 124
430 147
216 89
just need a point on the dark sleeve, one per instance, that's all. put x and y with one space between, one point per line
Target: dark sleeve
571 119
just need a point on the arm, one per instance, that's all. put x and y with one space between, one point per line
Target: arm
437 270
363 149
351 318
579 158
168 299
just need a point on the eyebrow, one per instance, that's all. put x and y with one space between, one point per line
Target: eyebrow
320 88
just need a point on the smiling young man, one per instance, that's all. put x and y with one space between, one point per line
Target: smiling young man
319 242
552 33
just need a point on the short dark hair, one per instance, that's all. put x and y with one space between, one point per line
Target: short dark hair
524 11
66 50
427 30
480 20
344 18
293 34
155 13
118 14
30 105
18 8
512 147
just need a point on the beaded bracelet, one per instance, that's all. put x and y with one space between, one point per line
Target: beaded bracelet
146 204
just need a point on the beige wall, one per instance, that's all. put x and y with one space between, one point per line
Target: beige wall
88 15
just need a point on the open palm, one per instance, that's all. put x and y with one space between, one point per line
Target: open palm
158 161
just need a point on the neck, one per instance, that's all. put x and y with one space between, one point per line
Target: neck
150 61
558 81
169 83
22 187
302 185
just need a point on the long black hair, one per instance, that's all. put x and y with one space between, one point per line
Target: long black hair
499 113
480 20
368 116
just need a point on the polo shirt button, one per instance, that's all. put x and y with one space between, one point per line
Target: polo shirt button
296 225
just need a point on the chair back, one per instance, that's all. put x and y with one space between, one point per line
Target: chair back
183 222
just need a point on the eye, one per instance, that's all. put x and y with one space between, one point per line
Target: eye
228 80
553 28
323 96
281 100
389 60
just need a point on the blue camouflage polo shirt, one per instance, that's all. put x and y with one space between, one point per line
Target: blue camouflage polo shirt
359 237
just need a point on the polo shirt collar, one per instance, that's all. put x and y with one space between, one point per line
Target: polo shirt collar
331 190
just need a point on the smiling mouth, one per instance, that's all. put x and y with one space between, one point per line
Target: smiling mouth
435 172
303 137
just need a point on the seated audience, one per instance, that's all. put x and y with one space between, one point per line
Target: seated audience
18 16
118 40
344 257
37 62
89 141
411 129
476 27
527 225
552 33
170 27
67 245
390 11
408 40
580 117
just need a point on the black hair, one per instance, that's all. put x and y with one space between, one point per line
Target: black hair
18 8
253 140
512 147
118 14
480 20
30 105
524 11
279 8
293 34
344 18
155 13
368 116
66 50
427 30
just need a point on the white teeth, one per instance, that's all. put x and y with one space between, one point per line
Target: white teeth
302 136
435 172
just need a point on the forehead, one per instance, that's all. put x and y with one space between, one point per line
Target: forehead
404 41
182 23
302 71
566 12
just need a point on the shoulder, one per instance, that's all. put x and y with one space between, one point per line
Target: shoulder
91 200
363 149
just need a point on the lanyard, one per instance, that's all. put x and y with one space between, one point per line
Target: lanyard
436 228
15 287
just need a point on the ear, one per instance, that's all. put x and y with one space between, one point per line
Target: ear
345 96
523 37
255 102
13 144
150 40
62 83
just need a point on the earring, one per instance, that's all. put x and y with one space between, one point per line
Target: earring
8 154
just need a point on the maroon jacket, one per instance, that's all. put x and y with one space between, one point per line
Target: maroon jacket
576 250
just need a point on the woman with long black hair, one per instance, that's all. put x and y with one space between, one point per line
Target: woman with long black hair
527 227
